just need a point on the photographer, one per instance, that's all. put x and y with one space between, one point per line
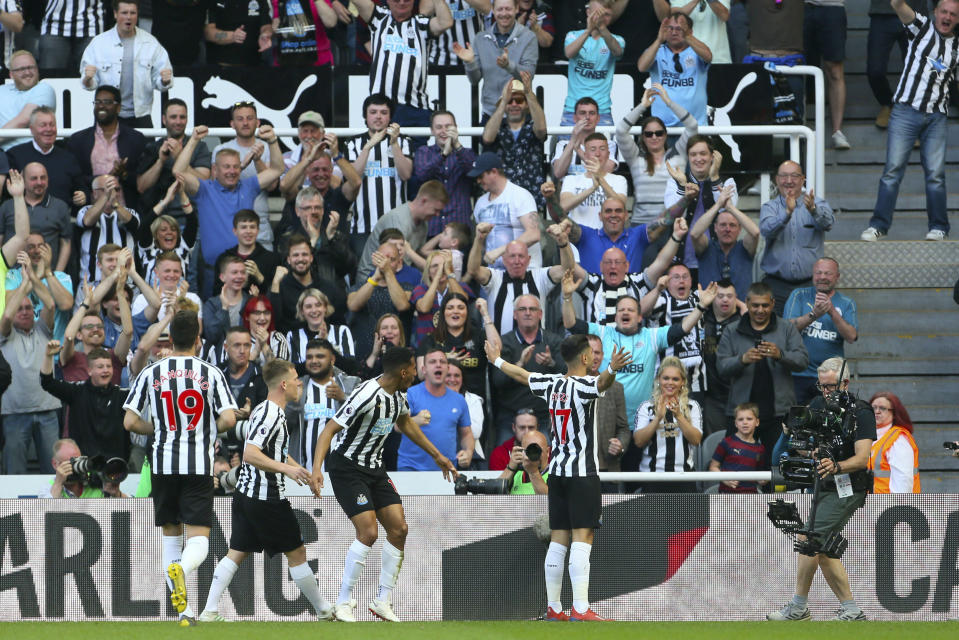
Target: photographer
68 483
845 483
530 476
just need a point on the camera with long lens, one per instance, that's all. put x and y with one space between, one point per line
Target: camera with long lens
93 471
534 452
481 486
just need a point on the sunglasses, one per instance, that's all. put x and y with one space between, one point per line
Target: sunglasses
659 133
517 100
677 65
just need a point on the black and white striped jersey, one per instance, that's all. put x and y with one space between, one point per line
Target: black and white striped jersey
381 189
467 22
149 255
400 52
669 311
108 230
339 336
929 67
367 417
318 408
279 345
267 431
668 450
599 298
502 290
182 396
572 422
72 18
6 36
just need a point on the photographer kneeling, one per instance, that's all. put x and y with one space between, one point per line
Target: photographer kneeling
528 473
844 484
76 476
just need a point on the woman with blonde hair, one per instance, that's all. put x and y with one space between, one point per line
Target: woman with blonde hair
668 426
313 307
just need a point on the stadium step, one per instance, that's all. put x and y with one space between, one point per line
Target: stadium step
888 263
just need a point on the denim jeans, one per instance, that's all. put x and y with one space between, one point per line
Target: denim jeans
905 125
737 30
61 52
18 429
884 33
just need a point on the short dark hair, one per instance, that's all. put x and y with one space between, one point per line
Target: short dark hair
174 102
573 346
696 139
117 3
430 350
295 240
99 353
461 232
627 297
275 370
184 329
585 100
396 358
724 283
245 215
760 289
227 259
243 104
237 328
675 14
435 114
113 91
596 136
378 99
321 343
390 234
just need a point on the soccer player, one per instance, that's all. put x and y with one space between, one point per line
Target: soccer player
575 499
187 401
359 479
263 519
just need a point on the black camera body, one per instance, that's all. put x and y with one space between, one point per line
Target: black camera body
481 486
815 435
93 471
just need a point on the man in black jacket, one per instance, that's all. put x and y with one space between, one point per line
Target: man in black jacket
246 382
96 405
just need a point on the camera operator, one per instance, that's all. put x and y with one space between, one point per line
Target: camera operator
531 477
844 491
68 484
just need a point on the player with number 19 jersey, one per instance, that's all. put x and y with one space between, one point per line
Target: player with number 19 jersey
572 422
182 396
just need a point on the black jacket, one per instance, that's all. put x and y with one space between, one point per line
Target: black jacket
96 415
130 145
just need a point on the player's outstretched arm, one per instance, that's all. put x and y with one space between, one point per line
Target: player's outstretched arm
133 422
253 455
519 374
617 361
319 454
408 427
225 421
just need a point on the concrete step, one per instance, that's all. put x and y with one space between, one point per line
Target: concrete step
916 321
900 298
907 226
897 264
913 390
893 345
902 366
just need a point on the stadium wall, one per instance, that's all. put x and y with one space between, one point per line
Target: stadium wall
679 557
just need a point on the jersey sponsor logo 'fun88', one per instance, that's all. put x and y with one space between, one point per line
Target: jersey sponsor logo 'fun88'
182 396
572 422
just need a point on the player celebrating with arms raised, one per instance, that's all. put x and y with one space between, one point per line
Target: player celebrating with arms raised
575 499
359 479
263 519
187 401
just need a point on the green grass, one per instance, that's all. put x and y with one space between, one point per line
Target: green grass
481 630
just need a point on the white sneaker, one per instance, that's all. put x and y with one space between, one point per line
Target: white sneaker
345 611
326 614
850 614
790 612
211 616
871 234
936 234
382 609
839 141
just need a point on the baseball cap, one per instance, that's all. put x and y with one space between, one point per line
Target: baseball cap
312 117
484 162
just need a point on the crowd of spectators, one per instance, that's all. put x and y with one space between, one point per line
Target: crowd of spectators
387 239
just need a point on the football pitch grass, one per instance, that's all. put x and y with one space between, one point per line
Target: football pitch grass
481 630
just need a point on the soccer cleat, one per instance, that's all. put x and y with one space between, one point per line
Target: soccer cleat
211 616
555 616
382 610
790 612
839 141
178 595
936 234
344 612
871 234
849 614
326 614
588 616
187 621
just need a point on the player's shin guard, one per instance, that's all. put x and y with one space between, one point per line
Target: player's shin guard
579 574
555 558
303 577
355 563
172 551
390 570
194 553
222 576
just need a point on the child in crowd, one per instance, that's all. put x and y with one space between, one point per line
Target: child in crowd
740 451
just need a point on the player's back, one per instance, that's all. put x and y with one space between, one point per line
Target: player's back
367 417
572 418
182 396
268 432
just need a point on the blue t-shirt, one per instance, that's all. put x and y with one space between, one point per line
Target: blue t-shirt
591 71
448 413
594 242
637 377
686 88
215 207
12 102
714 265
821 338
